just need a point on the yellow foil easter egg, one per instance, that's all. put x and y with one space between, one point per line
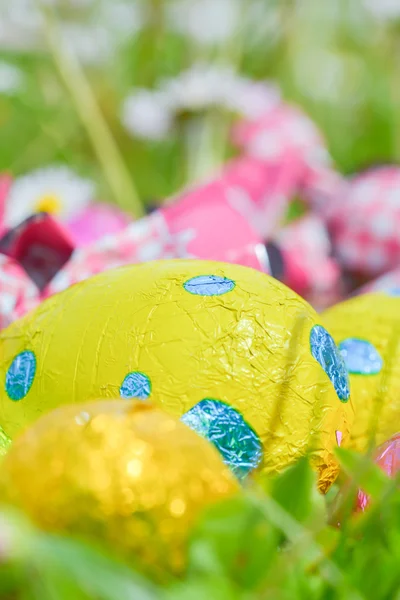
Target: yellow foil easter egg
235 353
367 330
125 474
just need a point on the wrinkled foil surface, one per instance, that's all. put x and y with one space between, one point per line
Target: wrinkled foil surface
176 333
225 427
374 320
325 351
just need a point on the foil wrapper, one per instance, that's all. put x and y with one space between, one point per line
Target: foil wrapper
284 137
204 227
208 222
5 184
40 245
94 222
18 293
387 457
225 427
366 329
122 473
227 218
308 265
365 219
177 333
261 190
282 131
389 284
212 218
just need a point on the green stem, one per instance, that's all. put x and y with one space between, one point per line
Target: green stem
87 108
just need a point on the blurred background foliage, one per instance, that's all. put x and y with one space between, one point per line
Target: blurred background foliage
278 540
338 59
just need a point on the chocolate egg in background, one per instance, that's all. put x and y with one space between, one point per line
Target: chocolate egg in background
367 331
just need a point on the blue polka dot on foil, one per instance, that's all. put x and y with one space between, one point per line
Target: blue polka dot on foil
209 285
325 351
20 375
135 385
225 427
361 357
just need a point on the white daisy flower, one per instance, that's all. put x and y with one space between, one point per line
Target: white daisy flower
262 23
95 39
92 44
203 86
55 190
384 9
150 113
94 35
19 24
123 17
214 22
147 114
11 79
208 22
252 99
200 87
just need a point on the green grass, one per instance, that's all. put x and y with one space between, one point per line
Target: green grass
279 539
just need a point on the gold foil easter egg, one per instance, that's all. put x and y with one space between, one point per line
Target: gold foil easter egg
367 330
210 342
125 474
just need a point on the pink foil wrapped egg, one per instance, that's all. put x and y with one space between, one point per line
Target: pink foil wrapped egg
388 459
364 222
282 130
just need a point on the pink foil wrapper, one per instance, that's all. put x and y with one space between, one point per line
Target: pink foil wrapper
96 221
207 222
288 141
323 190
211 222
40 245
228 211
388 459
261 190
282 130
309 268
257 189
5 184
18 293
201 224
365 220
144 240
217 220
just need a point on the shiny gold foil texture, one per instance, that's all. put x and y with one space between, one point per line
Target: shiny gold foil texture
123 473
